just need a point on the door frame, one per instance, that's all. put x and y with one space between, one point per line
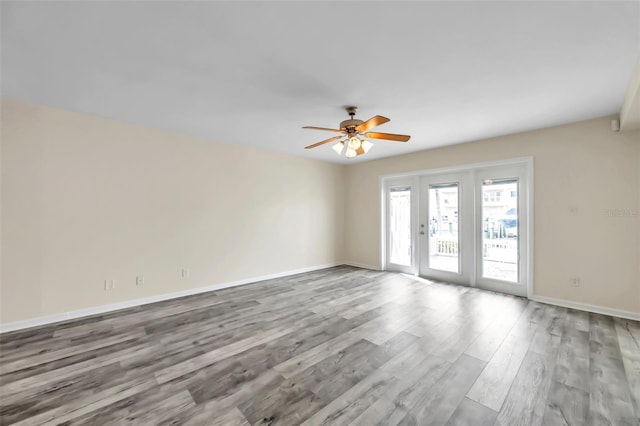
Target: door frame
414 176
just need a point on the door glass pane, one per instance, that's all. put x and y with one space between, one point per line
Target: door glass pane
400 226
444 240
500 229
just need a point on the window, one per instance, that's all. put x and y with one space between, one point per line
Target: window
492 196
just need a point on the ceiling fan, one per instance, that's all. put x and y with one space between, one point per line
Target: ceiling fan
353 133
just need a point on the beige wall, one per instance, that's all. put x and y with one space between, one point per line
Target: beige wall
583 165
86 199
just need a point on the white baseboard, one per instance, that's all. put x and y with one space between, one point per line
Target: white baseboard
589 308
362 265
80 313
64 316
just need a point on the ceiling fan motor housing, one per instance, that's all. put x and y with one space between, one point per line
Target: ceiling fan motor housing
350 124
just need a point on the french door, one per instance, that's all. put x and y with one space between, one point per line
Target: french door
400 219
446 227
471 228
502 230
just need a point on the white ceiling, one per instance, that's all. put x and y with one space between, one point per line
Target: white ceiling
254 73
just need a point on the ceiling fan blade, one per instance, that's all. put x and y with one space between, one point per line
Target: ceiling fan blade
387 136
323 128
322 142
371 123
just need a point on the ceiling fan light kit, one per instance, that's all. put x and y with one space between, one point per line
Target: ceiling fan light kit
354 132
355 147
338 147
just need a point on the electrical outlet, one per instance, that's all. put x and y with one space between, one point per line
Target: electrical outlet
140 280
574 281
109 285
185 273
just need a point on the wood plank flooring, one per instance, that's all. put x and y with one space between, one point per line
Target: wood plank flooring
332 347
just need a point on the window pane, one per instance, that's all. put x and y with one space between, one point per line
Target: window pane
444 240
500 229
400 226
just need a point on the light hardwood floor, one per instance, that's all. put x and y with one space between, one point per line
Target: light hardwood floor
337 346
